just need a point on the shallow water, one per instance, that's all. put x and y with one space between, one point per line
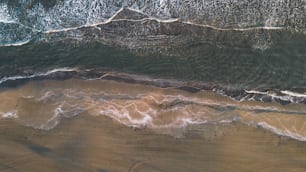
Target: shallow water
44 104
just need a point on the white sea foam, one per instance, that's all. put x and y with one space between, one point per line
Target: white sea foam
190 121
234 29
123 115
76 14
50 123
109 20
5 17
11 114
145 107
16 44
50 21
285 95
46 95
168 20
256 92
227 121
280 132
294 94
13 78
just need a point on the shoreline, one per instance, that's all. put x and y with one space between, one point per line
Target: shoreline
43 104
283 97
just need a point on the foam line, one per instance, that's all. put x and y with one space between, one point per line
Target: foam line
16 44
13 78
12 114
286 133
111 19
290 93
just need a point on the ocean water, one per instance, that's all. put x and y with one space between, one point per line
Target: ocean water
152 85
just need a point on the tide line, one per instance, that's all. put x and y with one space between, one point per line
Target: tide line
16 44
13 78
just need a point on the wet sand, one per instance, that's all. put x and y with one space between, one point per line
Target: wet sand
87 143
83 125
44 104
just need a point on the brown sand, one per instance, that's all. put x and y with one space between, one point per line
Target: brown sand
97 141
87 143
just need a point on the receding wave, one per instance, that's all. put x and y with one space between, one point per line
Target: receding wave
138 103
36 75
16 43
269 95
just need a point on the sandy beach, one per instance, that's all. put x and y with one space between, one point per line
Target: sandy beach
88 141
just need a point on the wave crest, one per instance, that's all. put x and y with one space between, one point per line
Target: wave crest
69 15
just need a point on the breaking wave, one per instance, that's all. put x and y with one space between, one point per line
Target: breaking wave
36 21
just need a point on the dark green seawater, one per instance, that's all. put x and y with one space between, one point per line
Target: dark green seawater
265 50
282 66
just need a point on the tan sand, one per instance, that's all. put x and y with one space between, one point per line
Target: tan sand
87 143
44 135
